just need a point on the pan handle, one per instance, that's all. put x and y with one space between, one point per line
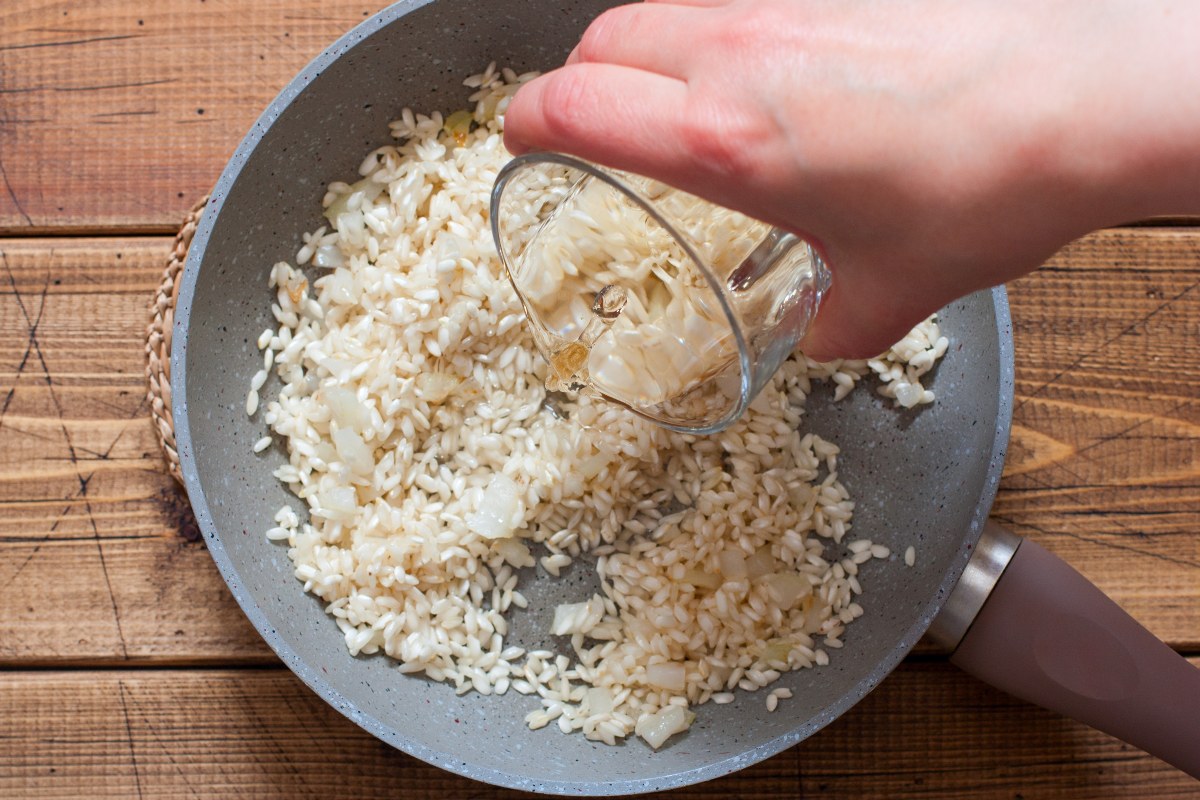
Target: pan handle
1026 622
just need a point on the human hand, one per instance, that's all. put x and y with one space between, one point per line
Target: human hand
927 148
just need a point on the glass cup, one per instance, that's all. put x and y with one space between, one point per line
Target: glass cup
674 307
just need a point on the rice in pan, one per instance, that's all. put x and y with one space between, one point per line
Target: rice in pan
412 410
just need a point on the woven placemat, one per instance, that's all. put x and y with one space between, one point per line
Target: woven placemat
158 340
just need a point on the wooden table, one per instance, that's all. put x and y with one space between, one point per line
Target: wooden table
129 671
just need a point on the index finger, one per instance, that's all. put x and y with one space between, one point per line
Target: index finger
606 113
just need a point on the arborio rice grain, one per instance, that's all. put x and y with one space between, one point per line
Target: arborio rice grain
411 406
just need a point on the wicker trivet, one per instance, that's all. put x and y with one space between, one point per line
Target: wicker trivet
158 340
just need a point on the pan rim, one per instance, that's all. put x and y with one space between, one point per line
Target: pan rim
451 761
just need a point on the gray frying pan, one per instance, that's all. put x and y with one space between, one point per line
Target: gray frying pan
925 478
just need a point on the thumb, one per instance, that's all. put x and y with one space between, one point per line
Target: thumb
856 321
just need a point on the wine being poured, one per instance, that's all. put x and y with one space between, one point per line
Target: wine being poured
663 302
568 363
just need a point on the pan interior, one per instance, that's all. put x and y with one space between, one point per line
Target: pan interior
923 478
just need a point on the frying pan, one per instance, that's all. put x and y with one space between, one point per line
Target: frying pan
926 478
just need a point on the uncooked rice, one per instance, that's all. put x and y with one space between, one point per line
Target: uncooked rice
411 406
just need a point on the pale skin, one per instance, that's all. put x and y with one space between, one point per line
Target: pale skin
928 148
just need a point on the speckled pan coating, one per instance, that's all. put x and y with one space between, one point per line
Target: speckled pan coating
926 478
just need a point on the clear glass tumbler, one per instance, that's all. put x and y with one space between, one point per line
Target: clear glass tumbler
677 308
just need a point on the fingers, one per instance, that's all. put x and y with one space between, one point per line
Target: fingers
610 114
841 331
655 37
859 321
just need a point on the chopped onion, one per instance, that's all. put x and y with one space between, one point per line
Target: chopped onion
370 190
786 588
449 246
347 411
326 451
353 452
777 650
338 502
435 387
341 287
908 394
337 367
598 700
733 563
704 580
328 256
670 676
656 728
497 514
592 466
351 225
577 617
800 494
515 552
761 563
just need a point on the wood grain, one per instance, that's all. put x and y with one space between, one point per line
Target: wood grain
1103 465
98 553
116 116
928 732
117 635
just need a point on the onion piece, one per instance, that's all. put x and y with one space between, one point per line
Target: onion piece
498 510
592 466
777 650
370 190
450 246
328 256
326 451
761 563
656 728
338 503
347 411
572 618
341 287
670 676
514 552
786 588
907 394
337 367
701 579
351 225
733 563
353 452
598 700
435 387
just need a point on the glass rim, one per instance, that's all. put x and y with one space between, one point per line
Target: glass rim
518 163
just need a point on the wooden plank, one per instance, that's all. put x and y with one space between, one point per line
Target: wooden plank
261 733
98 552
1103 466
119 115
